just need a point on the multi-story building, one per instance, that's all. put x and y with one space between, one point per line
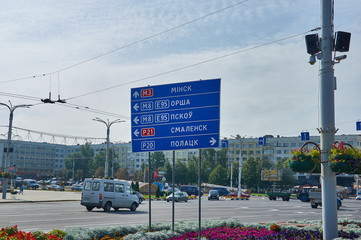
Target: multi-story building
33 159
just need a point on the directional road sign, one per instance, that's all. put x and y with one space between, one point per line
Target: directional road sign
224 143
305 136
358 126
176 116
262 141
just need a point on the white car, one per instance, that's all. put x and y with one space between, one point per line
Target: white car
358 197
107 194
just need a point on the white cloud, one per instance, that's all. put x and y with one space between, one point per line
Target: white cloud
268 90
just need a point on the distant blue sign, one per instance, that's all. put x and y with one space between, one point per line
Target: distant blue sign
262 141
305 136
224 143
176 116
358 126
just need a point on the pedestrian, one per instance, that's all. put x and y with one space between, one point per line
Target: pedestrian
21 190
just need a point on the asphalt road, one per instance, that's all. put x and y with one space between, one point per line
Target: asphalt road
62 215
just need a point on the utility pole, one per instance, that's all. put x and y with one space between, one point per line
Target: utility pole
108 124
327 122
7 159
322 49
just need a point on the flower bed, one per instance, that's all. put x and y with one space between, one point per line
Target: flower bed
211 229
12 233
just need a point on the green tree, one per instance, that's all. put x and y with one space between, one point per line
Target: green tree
218 175
192 174
288 179
122 174
157 192
136 186
157 160
222 158
251 175
168 172
180 172
82 161
99 172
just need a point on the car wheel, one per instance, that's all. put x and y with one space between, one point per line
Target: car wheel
133 207
116 209
186 200
107 207
167 200
314 206
89 208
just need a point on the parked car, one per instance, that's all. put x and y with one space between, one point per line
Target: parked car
358 197
190 190
76 187
213 194
31 184
140 196
54 187
178 196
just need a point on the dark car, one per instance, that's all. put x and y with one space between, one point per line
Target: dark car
223 191
190 190
140 196
178 196
213 194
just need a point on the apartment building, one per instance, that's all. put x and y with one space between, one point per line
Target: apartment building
33 159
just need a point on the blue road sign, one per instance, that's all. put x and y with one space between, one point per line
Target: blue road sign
176 116
305 136
262 141
224 143
358 126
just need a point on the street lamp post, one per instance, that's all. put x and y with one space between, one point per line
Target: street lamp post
240 165
108 124
7 159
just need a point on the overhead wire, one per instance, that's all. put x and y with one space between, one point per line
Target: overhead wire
69 105
126 46
194 64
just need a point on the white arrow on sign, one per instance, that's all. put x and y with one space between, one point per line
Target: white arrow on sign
212 141
136 94
136 132
136 107
136 120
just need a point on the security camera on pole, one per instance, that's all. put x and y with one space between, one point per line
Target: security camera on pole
321 48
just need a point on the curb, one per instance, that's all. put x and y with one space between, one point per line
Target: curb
36 201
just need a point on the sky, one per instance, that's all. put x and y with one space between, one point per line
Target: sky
92 52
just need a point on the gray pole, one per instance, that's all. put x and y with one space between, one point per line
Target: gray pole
327 122
199 195
173 172
231 174
150 193
106 169
7 159
108 124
